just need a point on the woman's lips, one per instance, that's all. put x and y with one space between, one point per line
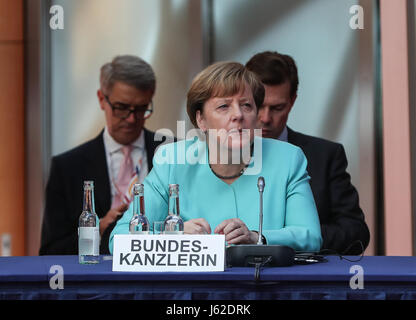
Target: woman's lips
234 131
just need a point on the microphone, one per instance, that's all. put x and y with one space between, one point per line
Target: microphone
261 184
259 255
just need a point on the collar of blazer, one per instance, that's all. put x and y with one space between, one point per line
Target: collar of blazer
296 138
98 168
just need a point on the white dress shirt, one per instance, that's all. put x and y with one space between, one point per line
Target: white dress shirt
115 158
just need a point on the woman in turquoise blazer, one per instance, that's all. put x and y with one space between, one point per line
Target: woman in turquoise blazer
219 194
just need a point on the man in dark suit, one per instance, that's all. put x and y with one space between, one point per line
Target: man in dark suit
342 220
127 86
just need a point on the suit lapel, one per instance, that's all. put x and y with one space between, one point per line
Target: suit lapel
300 141
150 145
295 138
97 165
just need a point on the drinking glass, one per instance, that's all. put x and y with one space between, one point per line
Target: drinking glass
158 227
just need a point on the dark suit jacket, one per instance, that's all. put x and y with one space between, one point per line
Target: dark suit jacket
64 194
342 220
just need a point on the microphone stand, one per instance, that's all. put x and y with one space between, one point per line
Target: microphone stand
247 255
260 186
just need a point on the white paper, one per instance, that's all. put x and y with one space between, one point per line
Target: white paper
169 253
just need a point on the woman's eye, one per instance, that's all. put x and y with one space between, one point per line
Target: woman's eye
247 106
223 106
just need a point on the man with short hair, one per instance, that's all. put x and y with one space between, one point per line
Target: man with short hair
342 220
119 156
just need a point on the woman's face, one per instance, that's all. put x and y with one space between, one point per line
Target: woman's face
231 120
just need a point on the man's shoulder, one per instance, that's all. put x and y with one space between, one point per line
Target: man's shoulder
154 139
278 145
304 140
273 148
86 148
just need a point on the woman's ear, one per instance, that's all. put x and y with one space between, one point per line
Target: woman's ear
200 121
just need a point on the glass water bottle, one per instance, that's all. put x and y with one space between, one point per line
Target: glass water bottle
173 222
89 230
139 224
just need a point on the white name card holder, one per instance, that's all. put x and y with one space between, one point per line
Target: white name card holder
168 253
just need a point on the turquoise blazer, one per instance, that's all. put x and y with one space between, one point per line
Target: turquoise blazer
289 213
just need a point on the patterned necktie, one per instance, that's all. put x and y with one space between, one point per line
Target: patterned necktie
124 177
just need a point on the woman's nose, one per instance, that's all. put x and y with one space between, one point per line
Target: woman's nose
237 114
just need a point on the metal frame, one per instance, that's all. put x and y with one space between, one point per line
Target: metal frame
37 115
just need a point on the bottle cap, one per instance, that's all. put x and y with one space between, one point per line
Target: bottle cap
88 184
173 188
138 188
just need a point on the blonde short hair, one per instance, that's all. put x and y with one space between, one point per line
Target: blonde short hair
221 79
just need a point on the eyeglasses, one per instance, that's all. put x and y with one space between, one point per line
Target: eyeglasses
123 111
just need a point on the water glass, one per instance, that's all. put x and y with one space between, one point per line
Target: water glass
158 227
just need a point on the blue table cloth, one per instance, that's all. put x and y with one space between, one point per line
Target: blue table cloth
384 278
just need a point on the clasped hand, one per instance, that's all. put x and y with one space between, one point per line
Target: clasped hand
235 230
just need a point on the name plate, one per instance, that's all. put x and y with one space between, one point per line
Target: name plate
168 253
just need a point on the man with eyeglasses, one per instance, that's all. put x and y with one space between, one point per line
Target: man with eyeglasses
118 157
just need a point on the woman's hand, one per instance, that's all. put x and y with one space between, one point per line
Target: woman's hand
236 232
197 226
